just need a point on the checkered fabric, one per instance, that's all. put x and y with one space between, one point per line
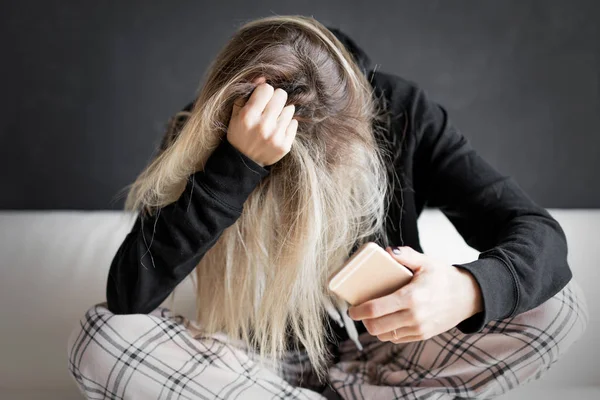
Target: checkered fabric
163 356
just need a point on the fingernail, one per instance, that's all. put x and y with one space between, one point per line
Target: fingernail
350 314
396 250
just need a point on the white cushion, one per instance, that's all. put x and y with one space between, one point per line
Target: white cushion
54 266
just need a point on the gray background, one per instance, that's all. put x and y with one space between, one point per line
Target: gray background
88 86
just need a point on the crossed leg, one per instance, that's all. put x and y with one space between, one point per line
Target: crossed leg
505 354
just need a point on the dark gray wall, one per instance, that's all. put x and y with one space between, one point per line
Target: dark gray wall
87 86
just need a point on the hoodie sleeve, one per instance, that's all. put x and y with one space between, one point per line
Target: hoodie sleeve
162 249
523 250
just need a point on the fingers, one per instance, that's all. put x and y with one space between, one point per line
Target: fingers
397 327
241 101
268 105
407 256
260 97
285 118
264 101
402 298
399 300
237 106
387 323
286 129
290 134
407 339
275 106
400 334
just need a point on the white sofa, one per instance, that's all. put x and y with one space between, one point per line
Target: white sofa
54 266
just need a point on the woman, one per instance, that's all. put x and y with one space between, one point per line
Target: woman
296 152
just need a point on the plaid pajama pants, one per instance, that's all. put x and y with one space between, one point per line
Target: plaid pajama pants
162 356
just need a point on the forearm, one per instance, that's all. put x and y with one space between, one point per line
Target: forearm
473 298
162 249
526 268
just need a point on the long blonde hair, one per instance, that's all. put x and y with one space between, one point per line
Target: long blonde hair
266 276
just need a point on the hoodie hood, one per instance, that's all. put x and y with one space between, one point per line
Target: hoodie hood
360 56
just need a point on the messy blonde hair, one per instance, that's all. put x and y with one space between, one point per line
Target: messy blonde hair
266 276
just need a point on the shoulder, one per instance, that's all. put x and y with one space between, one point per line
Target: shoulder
401 94
412 113
392 84
396 97
174 126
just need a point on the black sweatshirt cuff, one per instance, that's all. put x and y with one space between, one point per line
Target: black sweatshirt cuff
230 176
498 289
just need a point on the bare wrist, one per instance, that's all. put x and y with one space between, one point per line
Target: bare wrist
473 292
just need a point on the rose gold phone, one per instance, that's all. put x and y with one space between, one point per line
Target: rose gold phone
371 272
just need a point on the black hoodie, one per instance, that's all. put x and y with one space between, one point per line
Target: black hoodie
523 251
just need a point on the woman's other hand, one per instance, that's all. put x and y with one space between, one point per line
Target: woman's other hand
438 298
262 128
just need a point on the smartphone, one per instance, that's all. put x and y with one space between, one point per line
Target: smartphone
371 272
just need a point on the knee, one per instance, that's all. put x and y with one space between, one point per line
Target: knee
554 326
523 348
92 342
88 330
